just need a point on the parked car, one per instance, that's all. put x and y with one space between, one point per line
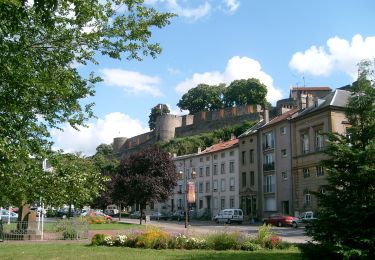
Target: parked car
158 216
306 217
96 214
178 215
137 215
281 220
64 213
5 216
229 216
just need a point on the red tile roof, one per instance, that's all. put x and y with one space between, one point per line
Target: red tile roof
220 146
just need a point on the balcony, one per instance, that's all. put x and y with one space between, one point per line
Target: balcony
268 146
269 166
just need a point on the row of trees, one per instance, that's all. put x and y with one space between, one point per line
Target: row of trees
239 92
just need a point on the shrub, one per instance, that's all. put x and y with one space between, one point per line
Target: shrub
224 241
156 239
70 228
98 240
272 242
250 246
264 235
96 219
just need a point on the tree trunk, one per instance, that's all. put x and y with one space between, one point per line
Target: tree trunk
119 215
70 210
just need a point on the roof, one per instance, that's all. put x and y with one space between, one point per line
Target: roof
253 129
338 98
221 146
282 117
311 88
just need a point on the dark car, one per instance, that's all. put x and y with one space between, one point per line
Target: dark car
64 213
281 220
158 216
137 215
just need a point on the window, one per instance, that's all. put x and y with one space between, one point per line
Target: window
207 186
322 190
215 203
268 141
306 172
231 153
251 153
222 168
269 163
231 167
305 143
318 140
179 204
200 172
200 187
201 159
307 197
207 158
222 184
215 185
283 130
215 156
252 178
180 188
231 184
243 157
231 202
319 171
223 155
284 175
207 170
200 204
222 203
283 152
215 169
269 186
244 179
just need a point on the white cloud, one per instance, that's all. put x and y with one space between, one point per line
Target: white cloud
237 68
232 5
177 111
102 131
132 81
338 55
187 12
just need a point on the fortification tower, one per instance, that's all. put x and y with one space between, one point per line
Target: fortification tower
166 125
118 142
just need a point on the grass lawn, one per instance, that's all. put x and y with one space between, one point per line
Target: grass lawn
58 251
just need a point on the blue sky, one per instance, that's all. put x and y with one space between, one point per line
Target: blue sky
283 43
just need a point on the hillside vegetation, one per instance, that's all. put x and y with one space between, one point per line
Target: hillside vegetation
190 144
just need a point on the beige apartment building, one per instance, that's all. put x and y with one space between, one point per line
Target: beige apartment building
308 142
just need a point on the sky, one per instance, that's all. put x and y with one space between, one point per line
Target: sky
282 43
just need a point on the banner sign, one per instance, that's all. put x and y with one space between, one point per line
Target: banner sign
191 192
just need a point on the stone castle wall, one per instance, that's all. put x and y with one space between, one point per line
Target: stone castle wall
170 126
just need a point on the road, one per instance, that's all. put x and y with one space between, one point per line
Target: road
293 235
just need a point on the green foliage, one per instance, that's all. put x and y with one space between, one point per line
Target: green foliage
98 240
71 228
202 98
245 92
347 210
224 241
160 109
250 246
41 44
190 144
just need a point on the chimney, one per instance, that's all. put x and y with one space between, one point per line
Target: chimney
232 136
199 149
266 116
309 101
302 101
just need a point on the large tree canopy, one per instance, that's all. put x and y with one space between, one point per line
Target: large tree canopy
148 176
202 98
41 45
347 209
245 92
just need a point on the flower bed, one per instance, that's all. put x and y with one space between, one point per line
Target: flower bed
159 239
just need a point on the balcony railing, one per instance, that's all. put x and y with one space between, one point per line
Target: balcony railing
269 188
269 166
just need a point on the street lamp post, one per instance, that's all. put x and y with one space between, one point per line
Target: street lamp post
189 193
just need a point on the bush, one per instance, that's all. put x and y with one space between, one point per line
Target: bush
224 241
272 242
98 240
250 246
96 219
156 239
71 228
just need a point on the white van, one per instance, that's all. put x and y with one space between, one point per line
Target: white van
229 216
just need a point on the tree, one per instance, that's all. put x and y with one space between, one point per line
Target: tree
245 92
156 111
202 98
73 180
41 45
347 209
107 164
145 177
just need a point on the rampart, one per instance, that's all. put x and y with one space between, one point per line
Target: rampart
170 126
